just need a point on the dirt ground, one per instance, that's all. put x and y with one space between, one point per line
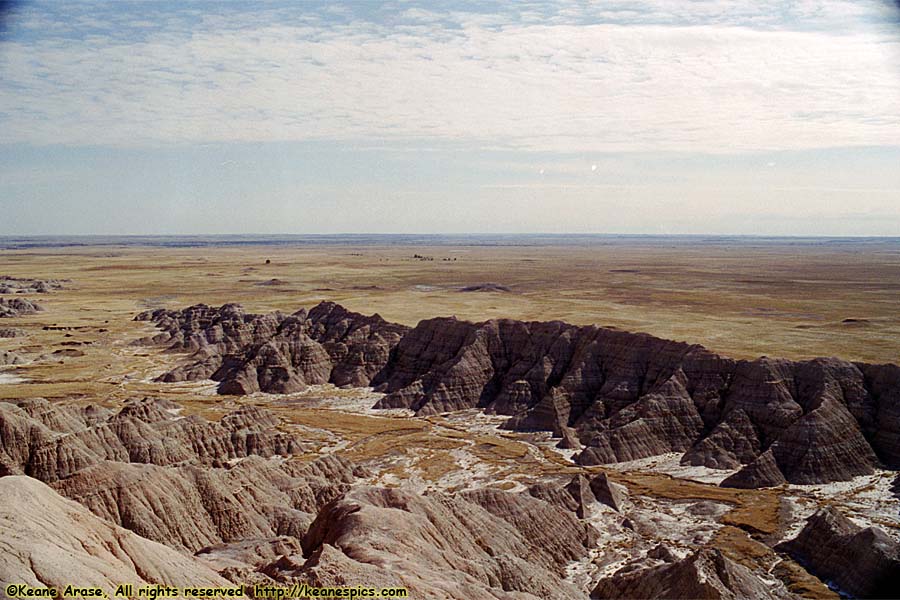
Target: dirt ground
742 300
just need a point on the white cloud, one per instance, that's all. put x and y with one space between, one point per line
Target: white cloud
626 83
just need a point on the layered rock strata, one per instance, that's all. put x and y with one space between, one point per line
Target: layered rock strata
861 562
17 307
276 353
201 487
624 396
707 574
182 481
49 541
478 544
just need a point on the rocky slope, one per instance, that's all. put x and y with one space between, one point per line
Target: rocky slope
182 481
25 285
276 353
47 540
226 492
623 395
630 396
50 442
706 574
862 562
479 544
16 307
193 507
204 487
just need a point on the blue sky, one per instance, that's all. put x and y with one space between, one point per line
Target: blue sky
721 116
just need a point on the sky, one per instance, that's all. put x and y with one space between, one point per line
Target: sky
761 117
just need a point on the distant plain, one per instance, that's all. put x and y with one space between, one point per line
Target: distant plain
743 297
740 297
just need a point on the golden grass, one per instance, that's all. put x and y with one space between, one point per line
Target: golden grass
800 582
740 547
742 301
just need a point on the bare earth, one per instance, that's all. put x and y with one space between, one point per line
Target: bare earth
742 300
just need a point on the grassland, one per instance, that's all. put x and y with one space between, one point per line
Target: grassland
744 301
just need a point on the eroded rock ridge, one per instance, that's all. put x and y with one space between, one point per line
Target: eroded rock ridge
276 353
16 307
183 481
27 285
228 492
624 396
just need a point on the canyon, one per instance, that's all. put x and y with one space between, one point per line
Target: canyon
625 396
279 435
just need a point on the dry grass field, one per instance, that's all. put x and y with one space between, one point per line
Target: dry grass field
744 301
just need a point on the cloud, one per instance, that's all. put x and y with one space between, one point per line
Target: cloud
712 77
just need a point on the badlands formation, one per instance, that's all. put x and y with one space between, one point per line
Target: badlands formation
625 396
149 441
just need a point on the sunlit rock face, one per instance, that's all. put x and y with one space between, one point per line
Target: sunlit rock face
624 396
477 544
50 541
706 573
275 353
181 481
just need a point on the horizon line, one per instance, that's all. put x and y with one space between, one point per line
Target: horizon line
27 236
